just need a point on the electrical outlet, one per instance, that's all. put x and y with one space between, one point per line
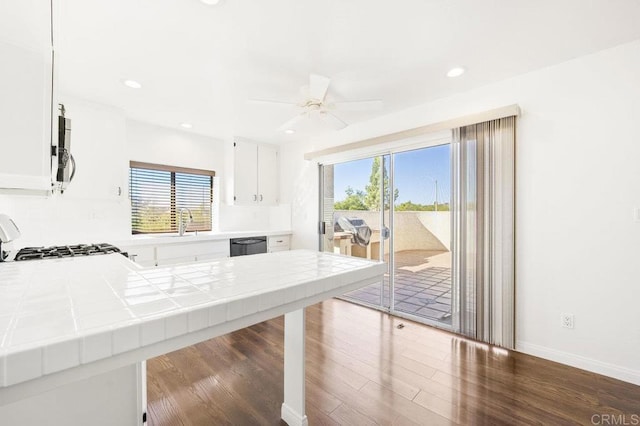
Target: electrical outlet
567 320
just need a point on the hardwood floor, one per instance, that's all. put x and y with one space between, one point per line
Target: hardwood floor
364 370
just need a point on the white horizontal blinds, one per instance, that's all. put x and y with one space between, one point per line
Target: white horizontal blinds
158 192
484 156
150 192
194 192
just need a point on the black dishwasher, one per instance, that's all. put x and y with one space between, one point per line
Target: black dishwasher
245 246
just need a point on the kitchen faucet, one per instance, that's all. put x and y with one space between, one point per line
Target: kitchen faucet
181 225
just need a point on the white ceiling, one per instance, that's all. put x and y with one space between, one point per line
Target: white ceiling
200 64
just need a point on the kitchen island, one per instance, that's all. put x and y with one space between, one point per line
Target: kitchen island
75 332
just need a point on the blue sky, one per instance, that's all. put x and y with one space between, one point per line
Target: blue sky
415 173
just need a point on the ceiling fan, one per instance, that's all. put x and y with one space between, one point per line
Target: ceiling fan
314 104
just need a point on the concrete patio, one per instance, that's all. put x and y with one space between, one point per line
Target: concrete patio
422 285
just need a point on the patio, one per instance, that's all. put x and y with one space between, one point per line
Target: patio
422 285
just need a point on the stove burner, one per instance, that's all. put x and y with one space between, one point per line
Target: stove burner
55 252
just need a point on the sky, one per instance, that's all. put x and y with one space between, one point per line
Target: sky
415 175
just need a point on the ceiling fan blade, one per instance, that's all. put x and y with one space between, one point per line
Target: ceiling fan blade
270 102
335 121
292 123
318 86
372 105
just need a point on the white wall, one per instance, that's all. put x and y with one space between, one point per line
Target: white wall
577 183
159 145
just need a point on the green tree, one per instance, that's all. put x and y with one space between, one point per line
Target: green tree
408 206
372 197
354 201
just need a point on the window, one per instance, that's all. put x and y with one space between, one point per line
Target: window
159 192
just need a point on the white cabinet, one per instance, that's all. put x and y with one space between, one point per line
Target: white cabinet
255 174
267 175
191 252
170 254
143 255
26 95
278 243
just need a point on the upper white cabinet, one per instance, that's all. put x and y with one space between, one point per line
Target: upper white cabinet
255 174
267 175
26 94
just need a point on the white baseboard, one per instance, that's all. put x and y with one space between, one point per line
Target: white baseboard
595 366
293 418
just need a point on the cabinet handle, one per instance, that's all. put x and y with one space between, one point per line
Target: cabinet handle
260 197
255 197
278 241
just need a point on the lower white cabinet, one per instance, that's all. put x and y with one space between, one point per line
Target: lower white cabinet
143 255
278 243
170 254
191 252
161 254
104 399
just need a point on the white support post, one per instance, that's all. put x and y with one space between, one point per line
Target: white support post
293 412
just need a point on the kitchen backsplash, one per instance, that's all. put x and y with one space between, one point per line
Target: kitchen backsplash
56 220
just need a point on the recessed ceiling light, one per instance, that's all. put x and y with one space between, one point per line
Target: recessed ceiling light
132 84
186 125
210 2
289 131
455 72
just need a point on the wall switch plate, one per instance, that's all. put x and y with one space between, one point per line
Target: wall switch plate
567 320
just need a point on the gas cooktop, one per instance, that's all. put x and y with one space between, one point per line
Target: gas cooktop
55 252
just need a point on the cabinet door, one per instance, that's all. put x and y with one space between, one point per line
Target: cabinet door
267 175
25 103
278 243
190 252
245 173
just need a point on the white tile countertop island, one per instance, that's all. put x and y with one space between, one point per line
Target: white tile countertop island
72 327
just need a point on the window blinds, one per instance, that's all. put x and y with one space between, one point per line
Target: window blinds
158 193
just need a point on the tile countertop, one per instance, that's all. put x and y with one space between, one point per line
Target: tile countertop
150 239
62 313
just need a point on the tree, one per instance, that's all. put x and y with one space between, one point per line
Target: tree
409 206
372 197
354 200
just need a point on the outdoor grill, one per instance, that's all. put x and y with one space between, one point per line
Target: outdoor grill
358 228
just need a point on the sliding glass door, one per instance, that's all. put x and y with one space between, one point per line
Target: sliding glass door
413 238
442 217
421 234
355 216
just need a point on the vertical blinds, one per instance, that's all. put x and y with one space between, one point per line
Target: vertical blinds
484 235
159 192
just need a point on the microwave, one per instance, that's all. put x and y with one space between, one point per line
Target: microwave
66 164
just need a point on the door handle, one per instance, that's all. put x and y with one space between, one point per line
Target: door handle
385 233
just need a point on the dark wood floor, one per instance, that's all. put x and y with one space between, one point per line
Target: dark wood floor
364 370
